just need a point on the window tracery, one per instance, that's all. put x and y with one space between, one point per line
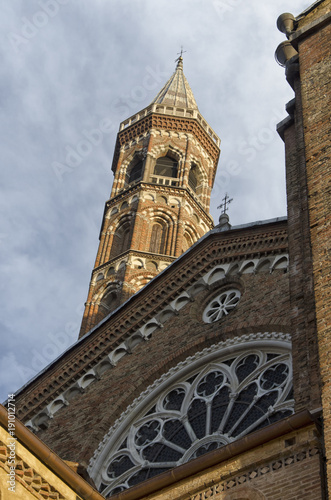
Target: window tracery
221 305
200 412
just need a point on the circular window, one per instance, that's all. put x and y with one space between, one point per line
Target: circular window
221 305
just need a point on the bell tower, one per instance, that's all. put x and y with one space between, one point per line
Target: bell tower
164 166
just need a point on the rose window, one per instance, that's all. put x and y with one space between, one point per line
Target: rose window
221 305
202 411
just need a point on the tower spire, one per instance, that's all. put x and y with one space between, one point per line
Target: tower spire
177 91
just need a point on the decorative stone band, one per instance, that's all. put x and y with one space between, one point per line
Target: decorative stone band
211 399
217 273
247 476
172 110
149 191
32 481
169 123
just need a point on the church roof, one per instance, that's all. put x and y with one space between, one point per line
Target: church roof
177 92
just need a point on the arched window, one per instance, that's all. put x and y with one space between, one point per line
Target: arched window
121 240
220 396
158 239
166 166
108 303
192 177
187 241
136 172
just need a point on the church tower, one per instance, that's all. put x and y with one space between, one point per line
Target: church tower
164 167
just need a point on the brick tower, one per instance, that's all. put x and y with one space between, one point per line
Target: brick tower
164 167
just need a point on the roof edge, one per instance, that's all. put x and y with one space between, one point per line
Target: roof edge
215 230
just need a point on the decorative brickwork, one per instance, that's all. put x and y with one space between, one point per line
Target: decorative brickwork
257 475
229 288
29 478
237 254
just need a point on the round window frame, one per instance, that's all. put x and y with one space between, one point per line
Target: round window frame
207 316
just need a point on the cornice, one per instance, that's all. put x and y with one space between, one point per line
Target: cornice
142 187
115 330
138 253
166 122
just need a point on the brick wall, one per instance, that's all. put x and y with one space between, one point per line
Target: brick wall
314 56
305 350
307 141
263 307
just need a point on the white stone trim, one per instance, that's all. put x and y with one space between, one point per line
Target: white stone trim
237 347
146 330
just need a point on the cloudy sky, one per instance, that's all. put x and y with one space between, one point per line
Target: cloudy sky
69 65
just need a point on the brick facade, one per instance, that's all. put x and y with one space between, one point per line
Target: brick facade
263 307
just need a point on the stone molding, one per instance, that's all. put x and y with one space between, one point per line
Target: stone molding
169 123
173 191
161 296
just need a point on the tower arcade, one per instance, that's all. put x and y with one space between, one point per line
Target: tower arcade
164 167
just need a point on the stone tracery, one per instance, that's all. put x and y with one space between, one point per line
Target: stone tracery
196 410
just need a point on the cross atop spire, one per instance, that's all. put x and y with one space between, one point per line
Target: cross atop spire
226 203
180 54
181 51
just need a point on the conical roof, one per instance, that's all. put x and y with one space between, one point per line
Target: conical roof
176 92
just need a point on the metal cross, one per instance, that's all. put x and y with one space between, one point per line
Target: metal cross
226 203
180 53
